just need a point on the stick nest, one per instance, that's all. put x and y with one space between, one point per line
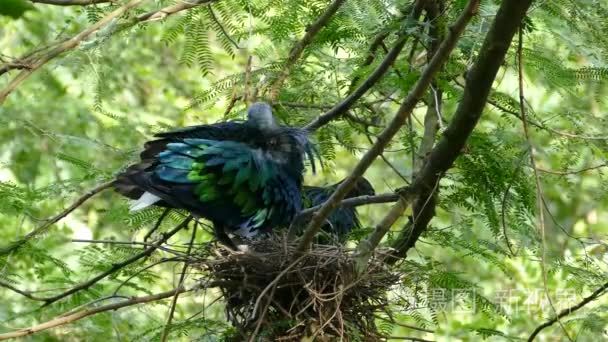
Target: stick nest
274 294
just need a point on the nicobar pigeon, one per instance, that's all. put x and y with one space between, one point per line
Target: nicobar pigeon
245 177
343 219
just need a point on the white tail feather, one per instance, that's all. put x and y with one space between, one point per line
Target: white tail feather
146 200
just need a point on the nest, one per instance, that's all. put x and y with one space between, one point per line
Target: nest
272 293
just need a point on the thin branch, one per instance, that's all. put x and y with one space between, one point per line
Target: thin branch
366 247
408 338
25 293
342 107
169 10
247 97
354 202
219 24
389 132
423 208
371 55
182 276
298 48
503 205
38 61
543 126
573 172
15 245
388 163
143 269
432 118
72 2
413 327
469 110
131 243
270 286
537 182
157 224
595 295
118 266
66 319
34 60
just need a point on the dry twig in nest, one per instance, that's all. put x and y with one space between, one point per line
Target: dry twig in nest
273 293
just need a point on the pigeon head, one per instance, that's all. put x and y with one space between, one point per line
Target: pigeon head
260 115
285 145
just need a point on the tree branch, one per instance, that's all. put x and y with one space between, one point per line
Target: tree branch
169 10
15 245
118 266
298 48
33 61
342 107
371 55
72 2
366 247
180 284
595 295
387 134
350 202
423 209
66 319
356 201
431 122
25 293
476 91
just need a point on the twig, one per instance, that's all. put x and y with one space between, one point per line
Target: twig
354 202
543 126
366 247
38 61
118 266
408 338
15 245
263 314
132 243
504 205
161 261
35 60
182 276
273 283
539 190
25 293
66 319
387 134
219 24
349 202
342 107
298 48
247 97
405 325
573 172
469 110
169 10
595 295
371 55
158 223
71 2
432 117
